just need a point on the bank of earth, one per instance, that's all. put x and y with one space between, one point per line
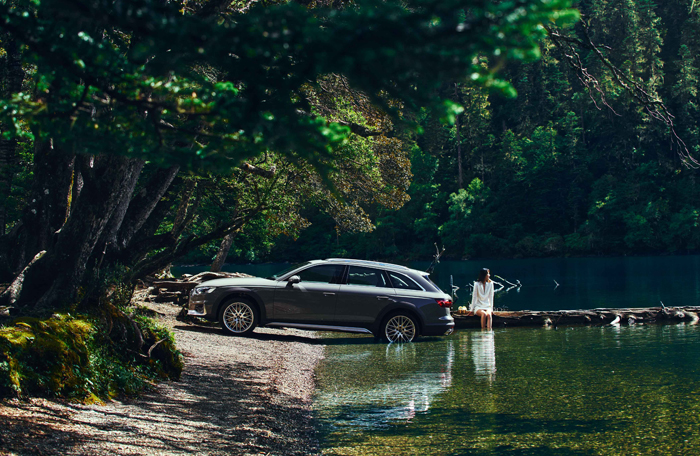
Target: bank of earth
237 395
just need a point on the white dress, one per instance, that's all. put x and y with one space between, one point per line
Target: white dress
482 297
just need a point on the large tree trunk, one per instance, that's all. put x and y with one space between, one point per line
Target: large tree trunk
129 241
55 278
221 255
144 203
109 236
46 214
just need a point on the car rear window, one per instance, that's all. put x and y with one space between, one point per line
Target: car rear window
368 277
427 279
325 273
403 282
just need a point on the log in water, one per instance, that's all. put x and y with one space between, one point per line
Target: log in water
593 317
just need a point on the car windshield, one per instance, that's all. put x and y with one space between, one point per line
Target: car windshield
286 270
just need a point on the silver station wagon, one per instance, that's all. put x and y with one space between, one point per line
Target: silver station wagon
395 303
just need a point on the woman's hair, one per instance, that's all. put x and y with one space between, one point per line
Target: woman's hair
482 275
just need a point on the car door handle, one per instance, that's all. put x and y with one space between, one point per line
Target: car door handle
382 298
328 293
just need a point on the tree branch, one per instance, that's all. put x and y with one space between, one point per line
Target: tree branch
655 107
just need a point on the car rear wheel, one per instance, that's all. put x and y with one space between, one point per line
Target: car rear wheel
239 317
400 328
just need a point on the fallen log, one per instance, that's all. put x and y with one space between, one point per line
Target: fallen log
169 297
178 291
592 317
174 285
209 275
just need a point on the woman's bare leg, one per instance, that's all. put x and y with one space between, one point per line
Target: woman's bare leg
486 318
482 313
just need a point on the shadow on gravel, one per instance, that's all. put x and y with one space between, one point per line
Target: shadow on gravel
336 339
218 410
35 434
221 410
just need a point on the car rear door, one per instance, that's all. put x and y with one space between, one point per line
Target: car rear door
362 297
313 299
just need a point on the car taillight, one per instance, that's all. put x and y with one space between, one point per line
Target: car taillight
444 302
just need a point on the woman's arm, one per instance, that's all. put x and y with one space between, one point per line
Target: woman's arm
474 292
491 293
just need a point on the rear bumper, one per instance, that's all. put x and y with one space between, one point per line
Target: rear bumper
445 327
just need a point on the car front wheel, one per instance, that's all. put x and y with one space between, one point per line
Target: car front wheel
239 317
400 328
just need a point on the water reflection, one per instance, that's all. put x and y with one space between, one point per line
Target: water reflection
371 387
589 390
484 355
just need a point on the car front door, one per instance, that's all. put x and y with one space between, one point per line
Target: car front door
312 299
360 300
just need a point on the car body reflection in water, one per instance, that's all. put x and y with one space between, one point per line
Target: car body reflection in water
375 386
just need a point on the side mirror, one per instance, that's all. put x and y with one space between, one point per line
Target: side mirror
293 279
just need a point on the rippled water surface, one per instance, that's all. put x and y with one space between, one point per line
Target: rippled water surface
519 391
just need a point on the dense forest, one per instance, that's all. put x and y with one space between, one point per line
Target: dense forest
141 133
569 167
136 133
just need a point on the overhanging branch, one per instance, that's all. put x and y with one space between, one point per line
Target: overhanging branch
653 105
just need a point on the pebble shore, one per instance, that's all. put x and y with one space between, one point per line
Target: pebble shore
237 396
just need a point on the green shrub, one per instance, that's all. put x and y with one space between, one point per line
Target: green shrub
82 358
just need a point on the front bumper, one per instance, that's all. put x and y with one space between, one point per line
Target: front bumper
199 307
198 311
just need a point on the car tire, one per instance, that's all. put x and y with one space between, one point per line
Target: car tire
239 317
399 327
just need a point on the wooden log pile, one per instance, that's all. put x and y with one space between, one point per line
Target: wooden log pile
177 291
593 317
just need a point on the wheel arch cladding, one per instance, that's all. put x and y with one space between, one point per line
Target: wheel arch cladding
249 297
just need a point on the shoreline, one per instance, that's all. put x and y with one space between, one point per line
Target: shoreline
237 395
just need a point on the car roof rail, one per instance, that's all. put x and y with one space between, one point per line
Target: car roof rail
368 262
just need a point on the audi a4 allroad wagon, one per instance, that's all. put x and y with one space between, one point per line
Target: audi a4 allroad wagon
392 302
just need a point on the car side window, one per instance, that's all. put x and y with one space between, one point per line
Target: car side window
325 273
368 277
402 282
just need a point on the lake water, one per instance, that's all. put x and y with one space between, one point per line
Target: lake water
583 283
630 390
516 391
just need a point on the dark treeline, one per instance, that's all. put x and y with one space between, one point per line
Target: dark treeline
559 170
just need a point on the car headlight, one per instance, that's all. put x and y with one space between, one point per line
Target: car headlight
202 290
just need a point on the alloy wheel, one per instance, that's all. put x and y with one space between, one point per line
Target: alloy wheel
238 317
400 328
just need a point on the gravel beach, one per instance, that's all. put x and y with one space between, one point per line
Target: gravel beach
237 395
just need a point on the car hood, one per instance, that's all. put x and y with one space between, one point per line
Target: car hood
245 282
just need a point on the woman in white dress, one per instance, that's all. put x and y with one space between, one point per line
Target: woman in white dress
482 298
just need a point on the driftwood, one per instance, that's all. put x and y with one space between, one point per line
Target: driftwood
593 317
177 291
172 285
209 275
